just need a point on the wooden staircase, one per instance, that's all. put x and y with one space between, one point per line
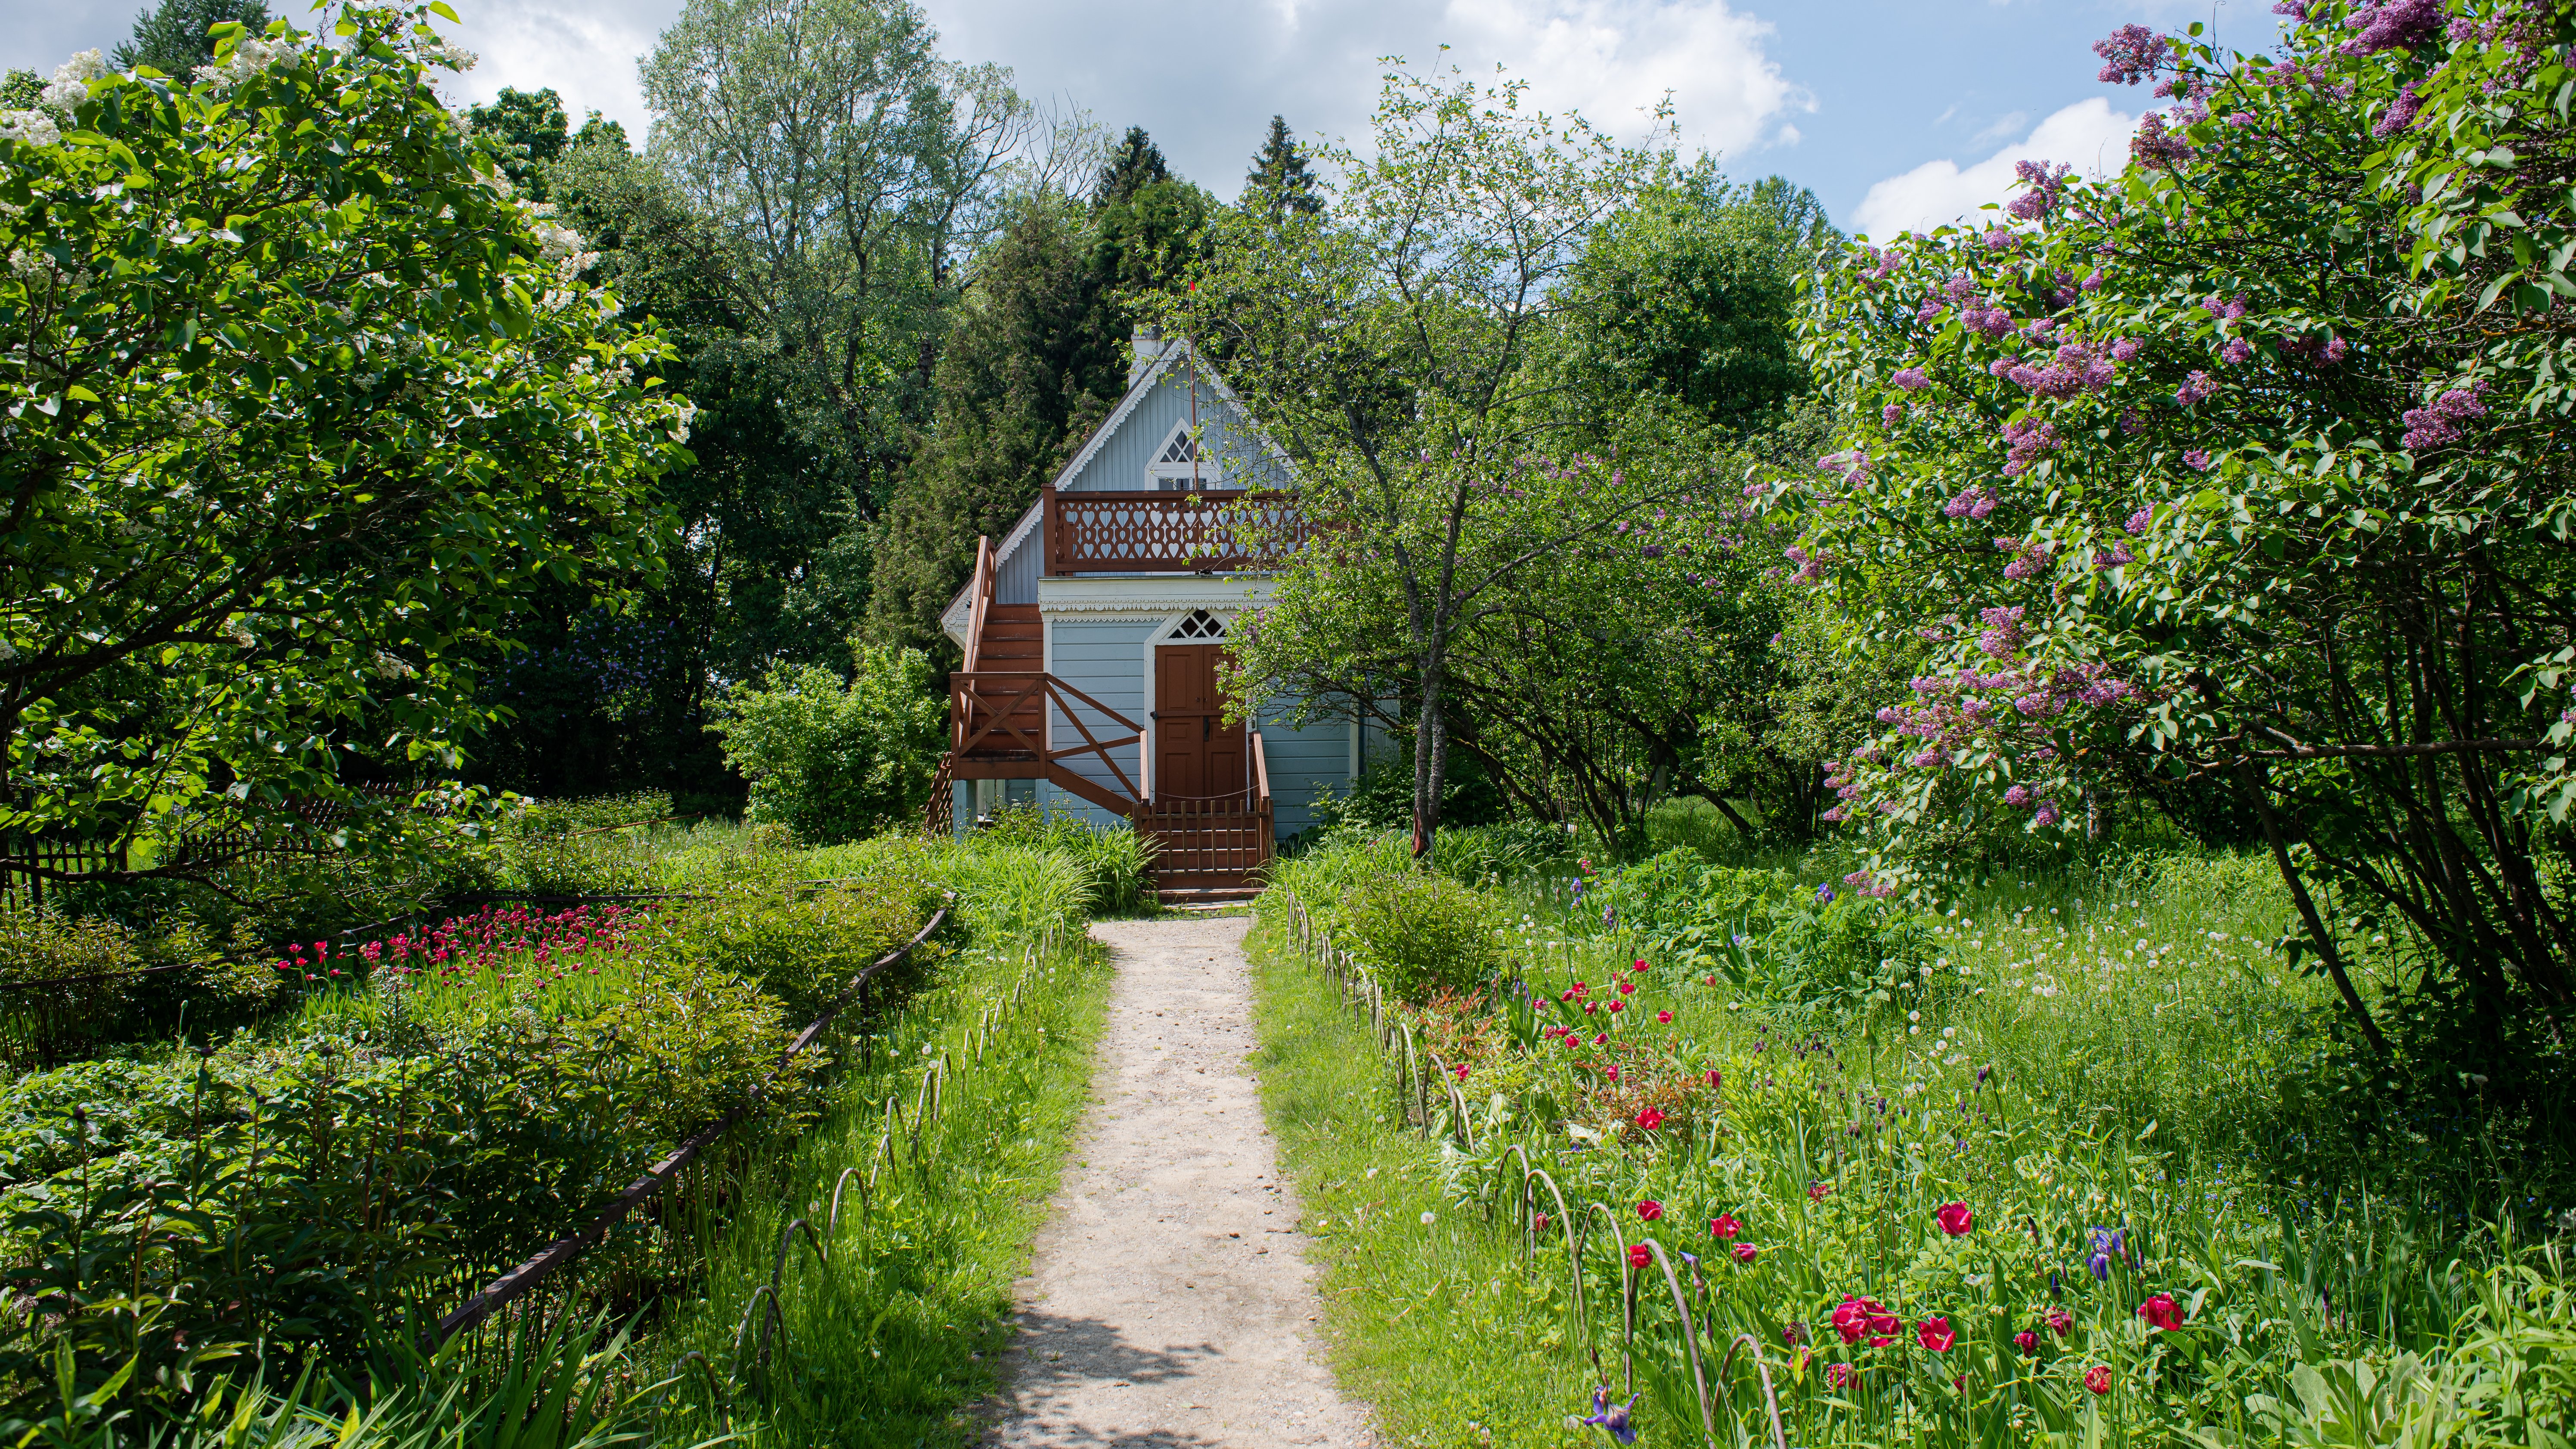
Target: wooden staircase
1206 851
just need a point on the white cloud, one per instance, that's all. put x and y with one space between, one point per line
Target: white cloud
584 49
1614 60
2089 135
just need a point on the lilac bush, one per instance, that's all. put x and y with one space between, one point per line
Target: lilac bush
2237 503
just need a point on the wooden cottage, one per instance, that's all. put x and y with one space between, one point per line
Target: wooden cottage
1093 634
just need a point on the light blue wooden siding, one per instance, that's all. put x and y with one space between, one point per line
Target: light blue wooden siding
1302 762
1015 579
1120 464
1106 660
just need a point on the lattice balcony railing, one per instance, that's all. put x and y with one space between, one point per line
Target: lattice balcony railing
1104 532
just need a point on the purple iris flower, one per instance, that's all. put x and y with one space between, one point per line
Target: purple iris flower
2108 1243
1824 895
1612 1417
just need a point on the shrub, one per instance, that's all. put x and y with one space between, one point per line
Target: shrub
1117 863
1498 853
837 761
1424 933
802 951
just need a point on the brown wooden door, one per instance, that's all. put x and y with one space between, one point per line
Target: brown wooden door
1196 753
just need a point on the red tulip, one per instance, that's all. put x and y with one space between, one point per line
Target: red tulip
1627 988
2060 1321
1462 1073
1650 1119
1725 1227
1664 1017
1817 1191
1955 1219
1744 1252
2026 1341
1840 1375
2098 1378
1639 1256
1650 1210
1935 1334
1619 1005
1716 1079
2161 1312
1639 966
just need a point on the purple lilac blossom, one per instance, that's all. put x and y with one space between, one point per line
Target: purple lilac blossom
2140 521
2123 349
2393 25
2194 390
2027 440
1911 379
2401 112
2130 54
2197 460
2046 815
2044 188
1892 414
2018 797
2157 149
2439 424
1975 504
2093 283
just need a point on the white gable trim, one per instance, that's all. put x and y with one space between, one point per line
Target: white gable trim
1172 351
961 609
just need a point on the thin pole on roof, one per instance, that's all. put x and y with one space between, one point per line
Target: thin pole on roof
1194 419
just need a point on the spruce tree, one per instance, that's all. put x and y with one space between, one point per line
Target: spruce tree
171 37
1135 164
1280 181
1034 360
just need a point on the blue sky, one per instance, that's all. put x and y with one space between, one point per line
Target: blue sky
1895 113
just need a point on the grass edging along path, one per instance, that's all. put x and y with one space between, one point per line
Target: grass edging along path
892 1303
1434 1324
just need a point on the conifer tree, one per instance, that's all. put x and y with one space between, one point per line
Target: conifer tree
1280 181
1135 164
1033 361
171 37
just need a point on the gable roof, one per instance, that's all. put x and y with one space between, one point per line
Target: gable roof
959 610
1136 396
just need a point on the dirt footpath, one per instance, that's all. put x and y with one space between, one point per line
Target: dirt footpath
1170 1303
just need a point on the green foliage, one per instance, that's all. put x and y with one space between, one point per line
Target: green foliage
1423 934
174 37
836 761
1689 292
1485 855
1033 360
2194 489
1116 861
803 950
261 544
531 130
1384 343
1280 180
2059 1071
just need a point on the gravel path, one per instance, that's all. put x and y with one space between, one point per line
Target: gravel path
1170 1303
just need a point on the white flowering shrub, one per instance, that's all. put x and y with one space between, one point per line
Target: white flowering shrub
297 401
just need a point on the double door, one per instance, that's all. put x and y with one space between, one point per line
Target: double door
1197 755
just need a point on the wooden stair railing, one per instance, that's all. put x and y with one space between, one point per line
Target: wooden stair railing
997 730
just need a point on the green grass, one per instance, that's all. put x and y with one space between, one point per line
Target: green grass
2117 1045
1435 1326
889 1341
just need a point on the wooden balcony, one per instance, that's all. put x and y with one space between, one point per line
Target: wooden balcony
1157 533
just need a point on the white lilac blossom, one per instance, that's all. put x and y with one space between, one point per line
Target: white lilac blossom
33 127
248 57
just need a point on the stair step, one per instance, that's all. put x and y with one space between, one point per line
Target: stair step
1187 896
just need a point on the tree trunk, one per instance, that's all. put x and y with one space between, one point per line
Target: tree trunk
2260 789
1430 761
